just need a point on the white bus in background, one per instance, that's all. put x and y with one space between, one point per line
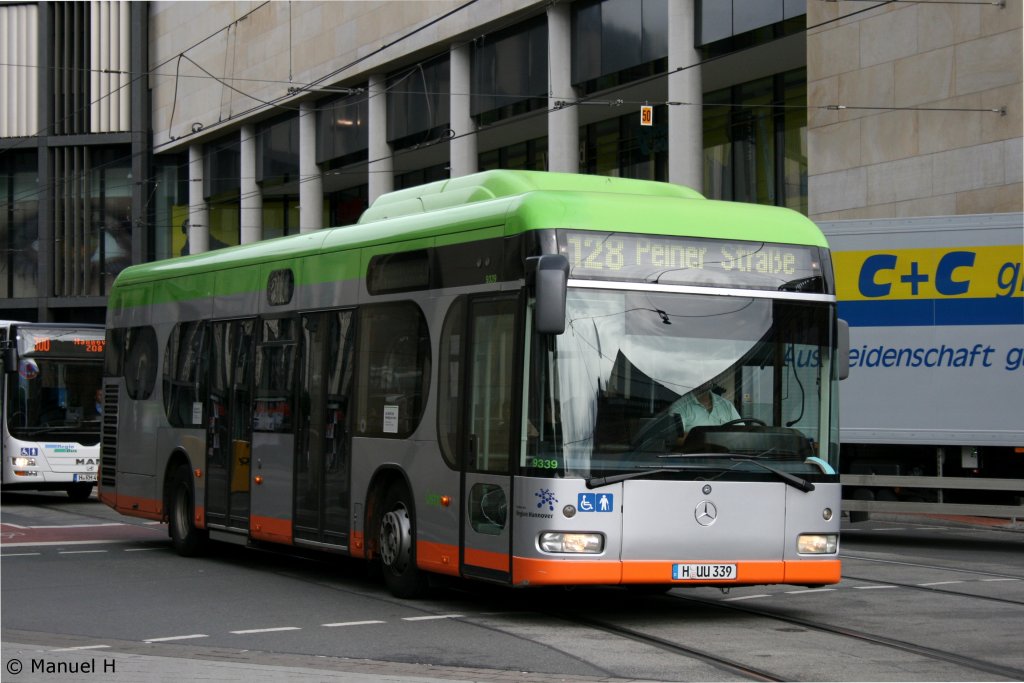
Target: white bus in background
51 406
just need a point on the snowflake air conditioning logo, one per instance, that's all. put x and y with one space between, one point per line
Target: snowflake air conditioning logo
546 498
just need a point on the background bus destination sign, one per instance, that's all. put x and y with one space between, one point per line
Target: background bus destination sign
692 261
41 340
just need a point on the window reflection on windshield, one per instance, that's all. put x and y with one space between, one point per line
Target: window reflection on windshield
641 380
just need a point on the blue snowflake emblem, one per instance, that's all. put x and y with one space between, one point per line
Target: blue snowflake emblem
546 498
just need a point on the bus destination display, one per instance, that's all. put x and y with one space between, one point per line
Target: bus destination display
39 341
682 260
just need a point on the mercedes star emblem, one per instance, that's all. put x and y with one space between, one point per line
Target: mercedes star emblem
706 513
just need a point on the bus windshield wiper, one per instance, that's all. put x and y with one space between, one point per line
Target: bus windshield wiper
596 482
791 479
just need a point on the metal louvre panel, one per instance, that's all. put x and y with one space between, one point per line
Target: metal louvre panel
108 438
19 49
109 34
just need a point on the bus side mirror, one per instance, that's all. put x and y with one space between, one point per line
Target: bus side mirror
550 277
843 348
10 357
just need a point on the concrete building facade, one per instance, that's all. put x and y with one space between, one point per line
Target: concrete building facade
249 120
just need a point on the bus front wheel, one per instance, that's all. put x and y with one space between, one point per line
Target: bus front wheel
396 543
188 541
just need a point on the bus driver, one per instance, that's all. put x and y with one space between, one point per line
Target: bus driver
703 407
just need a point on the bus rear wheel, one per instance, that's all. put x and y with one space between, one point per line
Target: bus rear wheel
188 541
396 543
79 492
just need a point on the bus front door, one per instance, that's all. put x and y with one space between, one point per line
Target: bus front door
229 428
487 437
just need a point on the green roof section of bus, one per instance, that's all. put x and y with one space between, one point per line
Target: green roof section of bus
487 185
467 208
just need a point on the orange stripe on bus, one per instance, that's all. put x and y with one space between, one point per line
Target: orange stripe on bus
358 548
541 572
147 508
528 571
437 557
487 559
813 571
270 529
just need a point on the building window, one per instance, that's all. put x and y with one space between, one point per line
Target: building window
622 147
614 43
531 155
755 150
277 151
280 216
421 176
342 132
344 207
418 103
19 224
510 72
169 207
222 190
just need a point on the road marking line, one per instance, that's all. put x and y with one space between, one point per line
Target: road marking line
895 528
19 554
68 525
267 630
82 647
353 623
871 588
747 597
79 552
162 640
939 583
29 544
438 616
139 550
1002 579
810 590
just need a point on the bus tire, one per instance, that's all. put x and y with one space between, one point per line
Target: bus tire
188 541
396 544
79 492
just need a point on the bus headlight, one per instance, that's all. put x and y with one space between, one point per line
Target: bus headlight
565 542
22 461
817 544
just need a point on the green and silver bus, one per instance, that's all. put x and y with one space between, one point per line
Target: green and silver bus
499 377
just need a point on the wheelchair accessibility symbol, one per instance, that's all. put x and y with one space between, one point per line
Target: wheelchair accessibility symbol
595 502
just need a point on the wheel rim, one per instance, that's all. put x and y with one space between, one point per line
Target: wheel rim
396 539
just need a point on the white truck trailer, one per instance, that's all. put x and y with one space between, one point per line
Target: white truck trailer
932 414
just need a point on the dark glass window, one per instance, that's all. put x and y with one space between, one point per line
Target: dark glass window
622 147
277 151
342 132
618 41
531 155
754 149
184 382
140 360
393 369
222 190
275 377
169 207
19 224
344 207
418 103
510 71
421 176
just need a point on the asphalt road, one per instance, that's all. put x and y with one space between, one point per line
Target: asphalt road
920 600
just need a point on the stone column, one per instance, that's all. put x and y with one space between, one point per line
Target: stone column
311 186
685 121
198 213
251 202
563 123
464 145
380 168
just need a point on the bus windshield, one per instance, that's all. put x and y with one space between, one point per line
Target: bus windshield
696 386
49 396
